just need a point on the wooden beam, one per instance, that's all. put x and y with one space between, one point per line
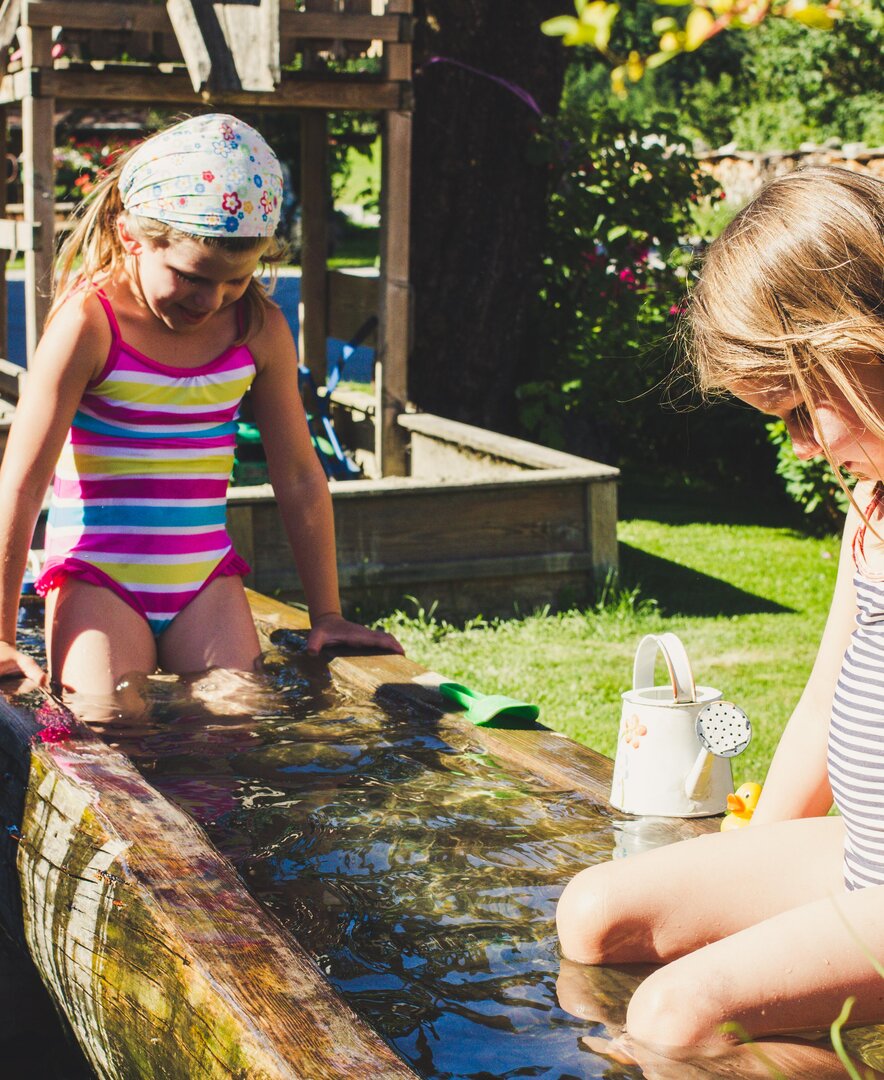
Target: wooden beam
38 168
15 235
143 84
185 19
601 530
228 47
394 332
110 15
12 378
342 26
145 935
507 447
367 574
10 19
315 205
252 34
4 249
98 15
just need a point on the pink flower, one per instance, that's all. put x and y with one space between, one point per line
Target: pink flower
231 202
208 176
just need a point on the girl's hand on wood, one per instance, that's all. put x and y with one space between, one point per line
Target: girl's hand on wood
334 629
13 662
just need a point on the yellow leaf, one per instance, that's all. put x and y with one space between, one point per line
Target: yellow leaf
656 59
814 15
697 28
596 20
671 43
618 81
560 26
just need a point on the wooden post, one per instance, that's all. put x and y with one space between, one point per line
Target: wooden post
38 169
228 46
314 241
394 333
4 255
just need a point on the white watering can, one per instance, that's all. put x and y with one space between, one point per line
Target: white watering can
675 741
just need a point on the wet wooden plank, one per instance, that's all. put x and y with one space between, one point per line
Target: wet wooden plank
147 939
536 752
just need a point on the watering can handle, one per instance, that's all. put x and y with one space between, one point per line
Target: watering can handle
677 664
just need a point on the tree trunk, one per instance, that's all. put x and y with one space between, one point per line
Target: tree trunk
479 202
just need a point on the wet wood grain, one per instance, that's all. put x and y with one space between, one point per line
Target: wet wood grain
151 946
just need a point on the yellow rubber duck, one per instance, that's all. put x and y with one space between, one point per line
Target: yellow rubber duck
741 806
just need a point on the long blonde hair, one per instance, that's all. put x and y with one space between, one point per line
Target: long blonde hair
792 291
92 251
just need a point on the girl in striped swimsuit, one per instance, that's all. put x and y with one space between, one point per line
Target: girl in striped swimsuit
159 327
775 926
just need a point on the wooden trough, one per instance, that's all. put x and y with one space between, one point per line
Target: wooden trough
482 523
154 952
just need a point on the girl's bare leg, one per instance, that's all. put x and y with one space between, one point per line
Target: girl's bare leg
94 639
671 901
215 630
759 931
791 973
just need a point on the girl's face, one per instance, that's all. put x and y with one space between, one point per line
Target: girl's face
831 421
186 283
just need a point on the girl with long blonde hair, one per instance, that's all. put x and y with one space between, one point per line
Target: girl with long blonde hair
771 928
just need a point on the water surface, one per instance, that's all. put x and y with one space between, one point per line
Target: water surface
422 878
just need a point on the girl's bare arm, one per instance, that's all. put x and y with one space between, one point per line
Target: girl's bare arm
797 784
301 488
70 353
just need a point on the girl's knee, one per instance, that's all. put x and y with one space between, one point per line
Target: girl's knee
589 917
673 1009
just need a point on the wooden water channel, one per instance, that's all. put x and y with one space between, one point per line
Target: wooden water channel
153 950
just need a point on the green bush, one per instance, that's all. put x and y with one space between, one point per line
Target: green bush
616 268
812 484
772 88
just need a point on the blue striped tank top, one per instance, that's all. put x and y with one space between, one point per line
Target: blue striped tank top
856 731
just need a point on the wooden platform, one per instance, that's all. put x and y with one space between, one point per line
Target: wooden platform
161 961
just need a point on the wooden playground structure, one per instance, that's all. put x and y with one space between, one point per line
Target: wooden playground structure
446 510
194 55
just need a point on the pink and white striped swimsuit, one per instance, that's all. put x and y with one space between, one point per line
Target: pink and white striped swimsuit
139 499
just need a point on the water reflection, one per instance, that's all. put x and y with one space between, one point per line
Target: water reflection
423 879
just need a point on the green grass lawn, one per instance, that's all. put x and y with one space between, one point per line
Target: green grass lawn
363 174
745 590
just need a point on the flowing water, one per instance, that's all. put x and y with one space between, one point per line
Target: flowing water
422 878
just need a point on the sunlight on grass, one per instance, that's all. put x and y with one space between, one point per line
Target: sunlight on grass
748 601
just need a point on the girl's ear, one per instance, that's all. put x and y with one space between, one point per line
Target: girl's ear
131 244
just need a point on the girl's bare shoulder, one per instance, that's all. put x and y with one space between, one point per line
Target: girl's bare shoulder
273 344
78 331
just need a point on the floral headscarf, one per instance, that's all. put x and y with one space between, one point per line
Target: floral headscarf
208 176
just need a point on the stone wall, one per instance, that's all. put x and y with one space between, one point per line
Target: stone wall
742 173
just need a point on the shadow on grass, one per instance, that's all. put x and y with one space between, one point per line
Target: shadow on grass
663 499
680 590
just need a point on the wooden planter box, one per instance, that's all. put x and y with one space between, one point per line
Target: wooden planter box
484 523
